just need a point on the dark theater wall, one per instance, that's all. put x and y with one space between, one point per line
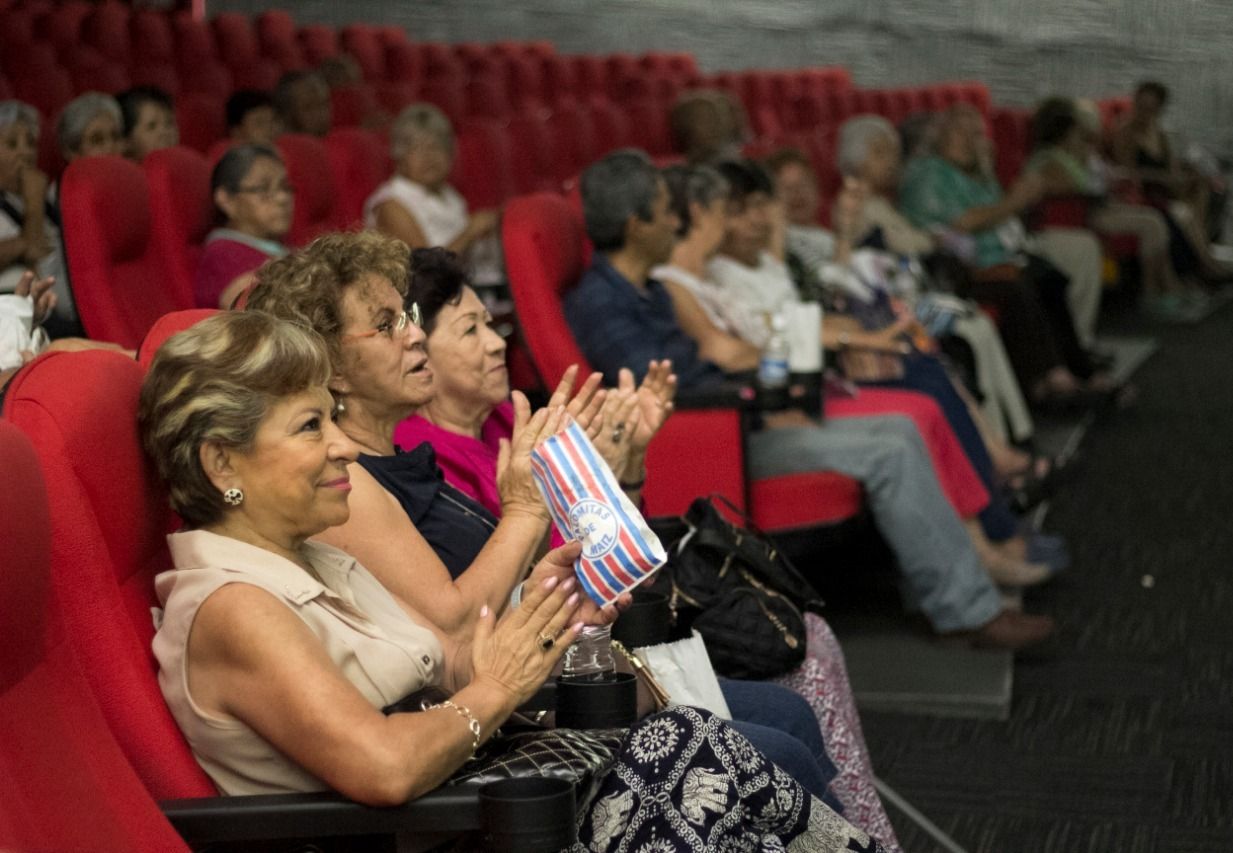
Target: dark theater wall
1023 49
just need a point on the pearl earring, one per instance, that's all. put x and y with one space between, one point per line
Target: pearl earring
233 497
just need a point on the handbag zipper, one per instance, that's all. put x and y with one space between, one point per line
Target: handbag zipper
788 636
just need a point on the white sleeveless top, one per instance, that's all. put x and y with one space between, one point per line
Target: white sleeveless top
442 216
367 635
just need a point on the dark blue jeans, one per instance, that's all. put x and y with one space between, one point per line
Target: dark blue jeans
926 375
780 723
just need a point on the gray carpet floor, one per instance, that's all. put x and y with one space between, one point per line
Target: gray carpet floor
1120 736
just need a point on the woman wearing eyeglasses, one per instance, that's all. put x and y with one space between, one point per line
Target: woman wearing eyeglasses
254 201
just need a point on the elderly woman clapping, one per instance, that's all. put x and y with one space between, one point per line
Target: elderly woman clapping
276 653
350 288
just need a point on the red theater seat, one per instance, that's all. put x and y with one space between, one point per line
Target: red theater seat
106 29
201 120
277 38
166 326
308 169
359 162
530 152
354 105
404 62
482 168
119 281
545 251
67 784
182 212
318 42
364 43
151 37
62 25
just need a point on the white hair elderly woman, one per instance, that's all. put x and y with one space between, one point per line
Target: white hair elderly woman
418 205
91 125
29 224
869 152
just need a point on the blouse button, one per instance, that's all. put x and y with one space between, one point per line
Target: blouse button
426 659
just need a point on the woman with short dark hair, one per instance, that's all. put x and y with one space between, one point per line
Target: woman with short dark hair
253 201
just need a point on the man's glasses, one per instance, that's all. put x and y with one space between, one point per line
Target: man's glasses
393 326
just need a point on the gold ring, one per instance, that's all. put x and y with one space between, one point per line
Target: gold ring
546 642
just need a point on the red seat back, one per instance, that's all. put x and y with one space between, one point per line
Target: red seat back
354 105
359 162
318 42
67 785
119 282
182 212
166 326
109 519
106 29
308 169
363 42
483 171
200 117
543 240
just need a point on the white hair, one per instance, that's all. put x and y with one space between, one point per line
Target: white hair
18 112
78 114
855 137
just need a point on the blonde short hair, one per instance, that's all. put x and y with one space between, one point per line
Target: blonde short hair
307 286
215 382
417 120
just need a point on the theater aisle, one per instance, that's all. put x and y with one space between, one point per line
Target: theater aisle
1120 737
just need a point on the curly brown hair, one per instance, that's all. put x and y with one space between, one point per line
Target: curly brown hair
307 286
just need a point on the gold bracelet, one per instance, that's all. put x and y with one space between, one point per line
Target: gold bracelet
473 725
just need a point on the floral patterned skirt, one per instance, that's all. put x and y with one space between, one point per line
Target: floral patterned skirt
823 680
685 780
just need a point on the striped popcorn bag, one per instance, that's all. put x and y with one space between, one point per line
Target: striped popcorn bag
619 551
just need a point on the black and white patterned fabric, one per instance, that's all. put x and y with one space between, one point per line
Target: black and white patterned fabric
685 780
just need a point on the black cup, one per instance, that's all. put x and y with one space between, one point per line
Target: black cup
528 814
607 701
646 622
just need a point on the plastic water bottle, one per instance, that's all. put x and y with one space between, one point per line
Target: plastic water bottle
773 365
590 656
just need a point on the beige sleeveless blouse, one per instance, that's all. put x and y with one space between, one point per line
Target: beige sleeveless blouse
366 633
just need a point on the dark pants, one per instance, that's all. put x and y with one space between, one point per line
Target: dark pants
1034 320
780 723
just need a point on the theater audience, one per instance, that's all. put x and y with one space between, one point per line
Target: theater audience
90 125
746 281
868 153
29 221
400 504
468 416
253 202
251 118
474 555
1066 156
302 100
623 318
953 189
295 648
149 121
418 206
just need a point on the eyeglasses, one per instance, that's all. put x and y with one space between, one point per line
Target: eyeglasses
389 328
268 192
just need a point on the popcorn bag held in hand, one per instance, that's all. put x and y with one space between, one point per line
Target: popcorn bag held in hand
619 551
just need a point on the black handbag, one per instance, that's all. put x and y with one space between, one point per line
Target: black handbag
519 750
742 595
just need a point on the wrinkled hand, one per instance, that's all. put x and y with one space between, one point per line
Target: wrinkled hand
655 395
585 406
508 654
612 432
40 294
514 482
588 612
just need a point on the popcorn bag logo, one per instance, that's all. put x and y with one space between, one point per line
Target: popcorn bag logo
595 525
